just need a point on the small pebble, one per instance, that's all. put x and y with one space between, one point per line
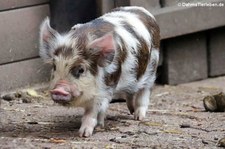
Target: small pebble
32 123
26 100
18 95
123 136
185 126
112 140
204 142
8 97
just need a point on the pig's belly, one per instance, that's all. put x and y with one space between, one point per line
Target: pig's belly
126 86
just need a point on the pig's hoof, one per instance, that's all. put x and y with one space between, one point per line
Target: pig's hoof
85 131
131 110
100 124
139 113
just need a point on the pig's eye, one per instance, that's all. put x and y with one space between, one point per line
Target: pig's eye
77 71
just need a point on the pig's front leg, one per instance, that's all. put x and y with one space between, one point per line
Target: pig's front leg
89 121
101 119
93 115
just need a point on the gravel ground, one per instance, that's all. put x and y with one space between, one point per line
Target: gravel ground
176 119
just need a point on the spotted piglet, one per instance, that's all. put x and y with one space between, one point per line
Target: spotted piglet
113 56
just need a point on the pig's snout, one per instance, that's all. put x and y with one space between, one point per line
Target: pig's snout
60 95
64 92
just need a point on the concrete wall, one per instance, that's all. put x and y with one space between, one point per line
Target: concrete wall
20 64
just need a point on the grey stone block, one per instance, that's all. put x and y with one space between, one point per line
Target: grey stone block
217 52
119 3
12 4
107 5
104 6
23 73
147 4
176 21
185 59
19 30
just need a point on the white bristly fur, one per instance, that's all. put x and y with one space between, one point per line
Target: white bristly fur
133 20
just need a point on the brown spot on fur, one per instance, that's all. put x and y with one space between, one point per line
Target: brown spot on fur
122 55
143 58
143 54
92 59
64 51
97 28
151 25
93 68
122 51
113 78
77 62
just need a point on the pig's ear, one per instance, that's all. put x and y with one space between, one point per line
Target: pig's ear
105 48
47 37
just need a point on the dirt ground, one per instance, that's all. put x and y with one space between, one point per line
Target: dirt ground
176 119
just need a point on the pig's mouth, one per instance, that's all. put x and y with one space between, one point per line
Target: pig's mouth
61 96
64 93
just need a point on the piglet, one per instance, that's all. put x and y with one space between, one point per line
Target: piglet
113 56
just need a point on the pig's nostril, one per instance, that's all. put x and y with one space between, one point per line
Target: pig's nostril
59 92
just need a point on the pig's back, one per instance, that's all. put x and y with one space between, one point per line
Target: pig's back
137 38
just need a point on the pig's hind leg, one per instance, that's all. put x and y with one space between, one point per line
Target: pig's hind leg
141 103
101 114
142 97
130 102
129 97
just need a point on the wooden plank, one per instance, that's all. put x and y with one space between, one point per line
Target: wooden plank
185 59
179 20
23 73
176 21
104 6
119 3
19 33
12 4
147 4
217 52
